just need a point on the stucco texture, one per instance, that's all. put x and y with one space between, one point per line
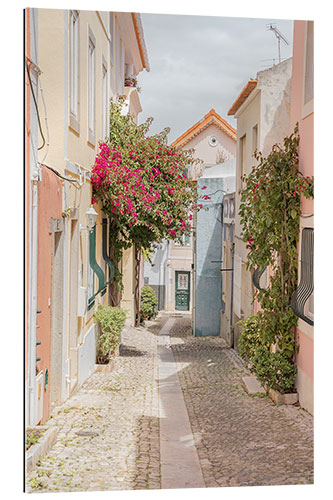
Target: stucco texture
50 206
208 286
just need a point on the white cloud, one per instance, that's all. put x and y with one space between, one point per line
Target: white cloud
200 62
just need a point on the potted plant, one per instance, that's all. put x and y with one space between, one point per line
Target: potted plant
110 321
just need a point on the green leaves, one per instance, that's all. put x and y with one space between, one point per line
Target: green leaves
269 214
148 302
111 321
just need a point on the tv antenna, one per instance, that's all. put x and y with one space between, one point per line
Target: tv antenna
279 36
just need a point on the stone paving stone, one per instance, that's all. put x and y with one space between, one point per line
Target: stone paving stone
241 440
122 407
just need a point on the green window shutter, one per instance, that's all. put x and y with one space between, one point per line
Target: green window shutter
95 267
104 249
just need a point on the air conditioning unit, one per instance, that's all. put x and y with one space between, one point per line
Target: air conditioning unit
82 301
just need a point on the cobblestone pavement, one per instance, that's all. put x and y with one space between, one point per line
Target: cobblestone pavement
241 440
122 408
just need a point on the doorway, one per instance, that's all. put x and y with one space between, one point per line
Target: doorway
182 290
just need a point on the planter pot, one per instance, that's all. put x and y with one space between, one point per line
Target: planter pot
108 367
283 399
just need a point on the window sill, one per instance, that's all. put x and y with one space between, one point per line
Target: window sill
74 124
91 139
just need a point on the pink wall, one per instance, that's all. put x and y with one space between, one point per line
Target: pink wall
306 164
49 206
305 354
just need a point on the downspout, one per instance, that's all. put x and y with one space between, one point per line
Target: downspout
33 243
65 379
194 278
166 275
232 292
33 296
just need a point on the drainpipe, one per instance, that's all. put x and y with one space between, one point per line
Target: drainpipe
232 295
65 379
33 296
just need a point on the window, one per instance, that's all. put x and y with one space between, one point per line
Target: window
104 101
111 29
254 138
91 89
74 67
308 83
185 241
302 298
243 155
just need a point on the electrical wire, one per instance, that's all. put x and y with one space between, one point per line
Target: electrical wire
46 124
34 98
61 176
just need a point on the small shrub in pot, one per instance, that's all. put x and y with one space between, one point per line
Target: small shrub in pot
148 303
111 321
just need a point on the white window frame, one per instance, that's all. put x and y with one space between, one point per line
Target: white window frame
104 99
111 30
74 69
183 241
91 87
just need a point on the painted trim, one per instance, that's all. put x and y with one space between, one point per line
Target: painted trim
107 34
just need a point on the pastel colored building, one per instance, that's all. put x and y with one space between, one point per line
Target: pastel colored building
208 277
227 266
91 55
171 272
262 110
302 112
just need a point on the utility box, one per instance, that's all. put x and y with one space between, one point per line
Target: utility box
82 301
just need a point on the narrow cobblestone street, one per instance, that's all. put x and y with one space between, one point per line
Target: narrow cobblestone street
239 440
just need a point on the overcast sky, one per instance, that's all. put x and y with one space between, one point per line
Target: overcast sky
200 62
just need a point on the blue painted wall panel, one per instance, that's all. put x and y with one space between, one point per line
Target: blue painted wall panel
208 286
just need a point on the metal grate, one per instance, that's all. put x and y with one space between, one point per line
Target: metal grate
305 288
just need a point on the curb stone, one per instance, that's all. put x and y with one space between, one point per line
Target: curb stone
41 448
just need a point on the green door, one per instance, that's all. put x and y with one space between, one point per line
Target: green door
182 290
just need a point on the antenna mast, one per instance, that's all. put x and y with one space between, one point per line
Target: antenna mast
279 36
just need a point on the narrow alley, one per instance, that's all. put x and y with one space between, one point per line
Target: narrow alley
172 413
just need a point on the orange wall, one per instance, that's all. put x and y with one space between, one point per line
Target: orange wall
49 206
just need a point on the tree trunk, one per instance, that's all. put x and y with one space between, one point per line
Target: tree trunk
137 261
114 291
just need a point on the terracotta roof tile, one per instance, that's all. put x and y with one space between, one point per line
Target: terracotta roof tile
249 87
210 118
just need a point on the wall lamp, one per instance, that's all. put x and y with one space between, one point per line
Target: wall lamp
91 215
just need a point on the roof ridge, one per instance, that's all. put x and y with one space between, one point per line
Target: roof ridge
188 134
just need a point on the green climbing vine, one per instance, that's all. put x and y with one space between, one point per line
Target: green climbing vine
269 215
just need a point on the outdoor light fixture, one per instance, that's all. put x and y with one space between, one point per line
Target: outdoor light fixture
91 218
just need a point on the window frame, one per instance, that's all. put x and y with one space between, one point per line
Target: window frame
242 156
91 89
104 99
74 70
308 106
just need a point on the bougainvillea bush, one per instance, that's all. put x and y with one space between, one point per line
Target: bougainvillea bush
141 182
269 213
142 185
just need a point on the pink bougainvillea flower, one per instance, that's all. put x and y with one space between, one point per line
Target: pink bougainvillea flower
204 187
